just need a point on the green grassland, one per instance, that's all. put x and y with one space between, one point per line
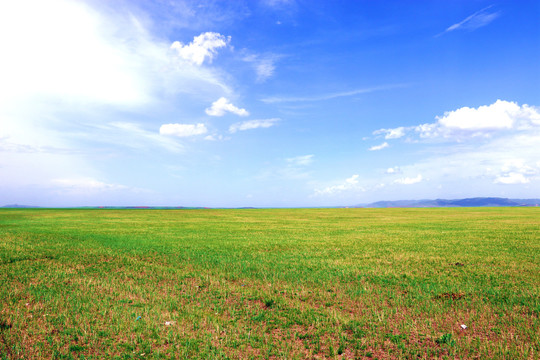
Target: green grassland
270 283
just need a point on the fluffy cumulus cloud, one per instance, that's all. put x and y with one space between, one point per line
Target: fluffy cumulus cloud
223 105
252 124
379 147
466 122
500 115
482 121
203 47
183 130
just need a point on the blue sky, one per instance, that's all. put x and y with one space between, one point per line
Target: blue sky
267 103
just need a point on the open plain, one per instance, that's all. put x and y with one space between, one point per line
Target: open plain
270 283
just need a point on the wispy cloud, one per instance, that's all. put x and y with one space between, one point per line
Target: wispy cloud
252 124
134 136
278 3
271 100
477 20
391 133
302 160
183 130
379 147
264 65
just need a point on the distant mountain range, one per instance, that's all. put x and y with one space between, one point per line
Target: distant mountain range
469 202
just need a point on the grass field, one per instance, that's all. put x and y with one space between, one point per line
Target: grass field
270 283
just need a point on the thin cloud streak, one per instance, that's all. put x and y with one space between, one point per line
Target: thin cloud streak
474 21
272 100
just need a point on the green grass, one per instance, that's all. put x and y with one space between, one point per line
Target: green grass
276 283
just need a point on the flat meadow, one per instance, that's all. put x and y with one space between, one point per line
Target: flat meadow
270 283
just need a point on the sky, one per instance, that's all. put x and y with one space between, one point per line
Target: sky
267 103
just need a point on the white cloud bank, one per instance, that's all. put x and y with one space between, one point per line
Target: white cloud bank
252 124
466 122
203 47
183 130
494 149
222 105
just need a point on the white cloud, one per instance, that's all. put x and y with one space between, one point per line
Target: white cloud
222 105
379 147
477 20
252 124
393 170
183 130
517 171
391 133
512 178
501 116
201 48
349 184
264 65
409 180
302 160
106 63
427 130
215 137
265 69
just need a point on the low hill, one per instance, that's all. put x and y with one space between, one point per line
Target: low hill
469 202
